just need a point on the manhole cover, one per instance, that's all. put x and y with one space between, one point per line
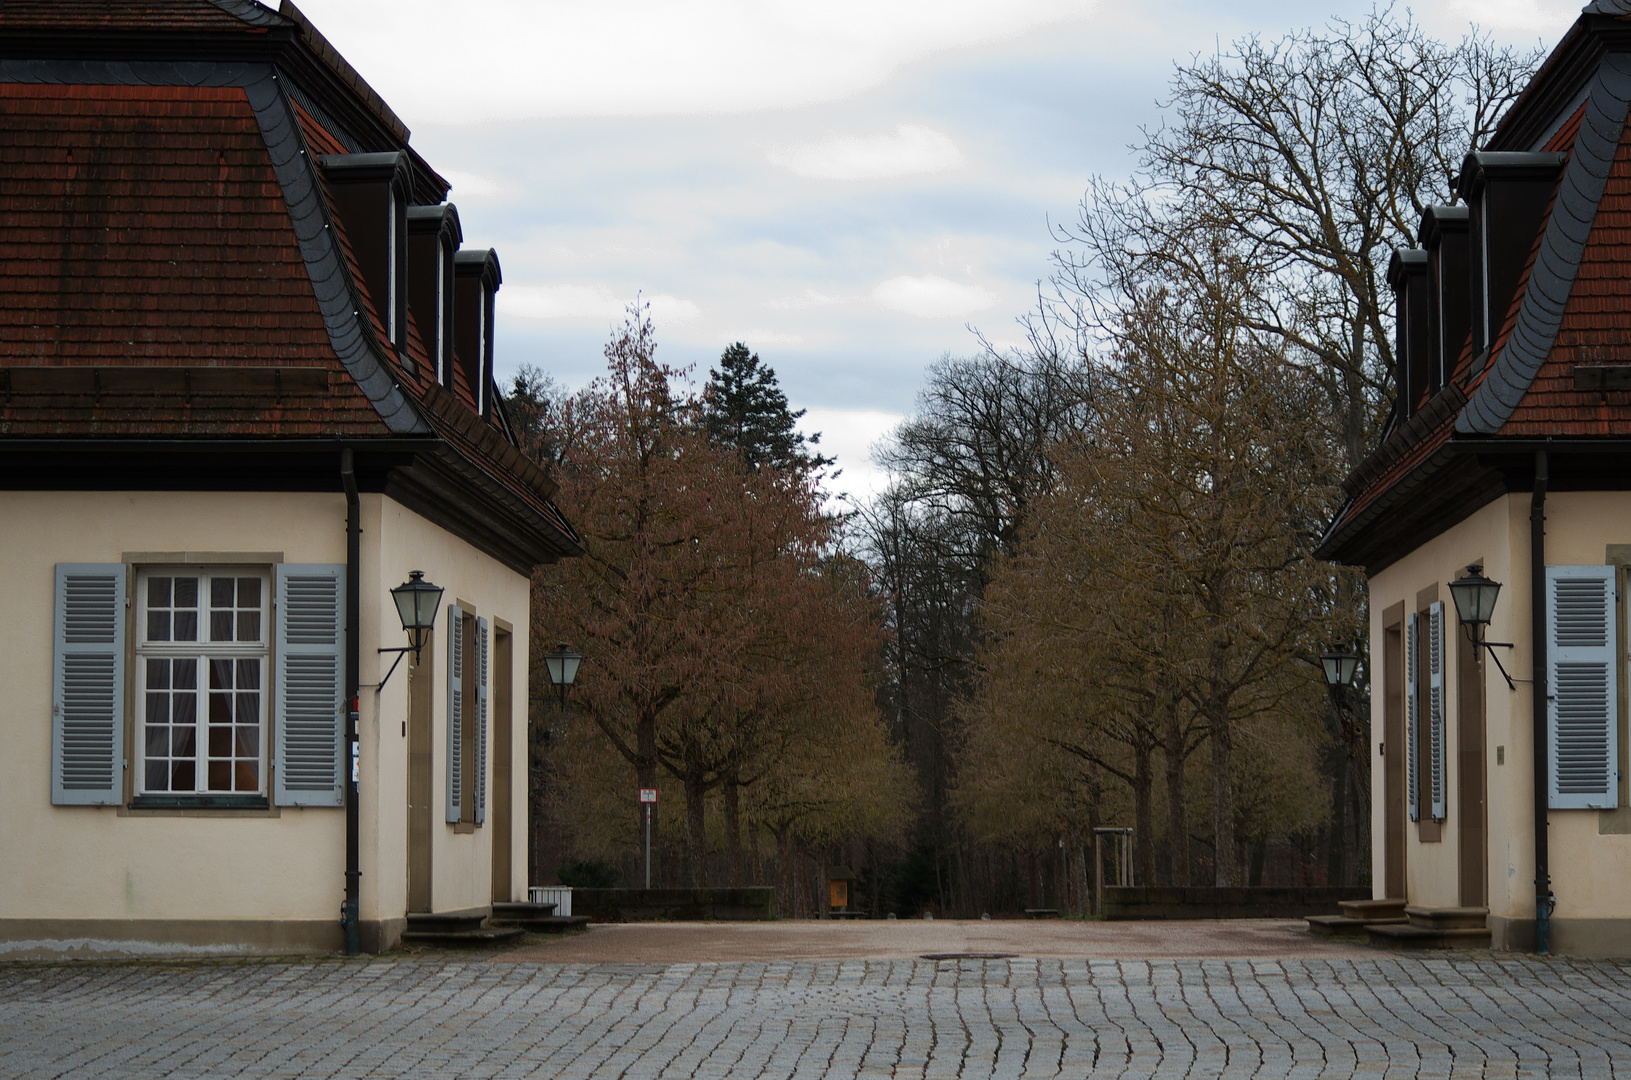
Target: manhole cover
968 956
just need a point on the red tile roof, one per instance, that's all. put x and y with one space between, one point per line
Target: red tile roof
146 228
153 282
1595 327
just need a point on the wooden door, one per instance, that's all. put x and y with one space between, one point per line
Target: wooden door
1470 773
1393 756
421 788
503 734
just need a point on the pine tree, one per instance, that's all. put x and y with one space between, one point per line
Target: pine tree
744 409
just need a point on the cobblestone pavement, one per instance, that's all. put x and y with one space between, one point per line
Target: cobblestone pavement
434 1016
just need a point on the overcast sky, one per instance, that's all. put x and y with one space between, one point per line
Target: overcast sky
846 185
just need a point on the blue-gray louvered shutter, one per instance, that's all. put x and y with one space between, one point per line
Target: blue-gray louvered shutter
1412 712
1435 710
88 685
455 712
309 682
481 721
1583 699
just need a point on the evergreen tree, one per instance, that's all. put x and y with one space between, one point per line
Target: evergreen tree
744 409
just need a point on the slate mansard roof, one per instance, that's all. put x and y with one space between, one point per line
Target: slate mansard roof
180 302
1558 375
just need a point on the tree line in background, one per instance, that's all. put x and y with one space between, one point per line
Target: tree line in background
1088 596
732 646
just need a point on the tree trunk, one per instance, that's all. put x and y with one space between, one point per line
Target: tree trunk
785 896
733 829
1336 864
1223 803
1224 854
1177 803
1144 814
697 870
1078 863
756 860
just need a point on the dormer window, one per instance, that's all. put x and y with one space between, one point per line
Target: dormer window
394 320
434 236
369 192
476 282
1443 233
1506 194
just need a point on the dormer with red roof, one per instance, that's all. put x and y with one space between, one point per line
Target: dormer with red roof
1501 786
246 390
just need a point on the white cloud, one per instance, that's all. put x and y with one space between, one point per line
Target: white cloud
473 186
848 436
528 59
760 339
809 298
1548 17
932 297
586 302
913 149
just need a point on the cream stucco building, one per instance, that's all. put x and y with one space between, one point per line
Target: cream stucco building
1507 458
246 389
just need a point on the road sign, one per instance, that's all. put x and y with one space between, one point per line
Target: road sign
648 794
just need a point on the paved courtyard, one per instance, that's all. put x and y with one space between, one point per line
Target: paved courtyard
442 1016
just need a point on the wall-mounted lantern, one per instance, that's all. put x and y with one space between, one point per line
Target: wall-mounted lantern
417 602
562 665
1474 596
1340 664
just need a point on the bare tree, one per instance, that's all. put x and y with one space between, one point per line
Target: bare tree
1317 154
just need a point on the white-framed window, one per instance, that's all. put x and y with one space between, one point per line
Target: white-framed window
211 684
202 680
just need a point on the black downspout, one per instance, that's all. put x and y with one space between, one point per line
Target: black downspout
353 649
1538 635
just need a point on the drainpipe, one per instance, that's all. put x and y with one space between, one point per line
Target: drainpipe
1538 634
353 649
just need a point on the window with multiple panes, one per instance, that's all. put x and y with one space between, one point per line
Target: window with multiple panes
202 654
237 675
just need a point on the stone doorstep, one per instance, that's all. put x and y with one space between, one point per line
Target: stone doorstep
1448 918
1387 910
447 922
1421 937
521 909
542 924
464 939
1344 926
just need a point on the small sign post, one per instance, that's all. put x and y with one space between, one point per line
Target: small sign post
648 799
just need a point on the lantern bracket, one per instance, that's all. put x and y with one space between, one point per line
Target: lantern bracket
1491 646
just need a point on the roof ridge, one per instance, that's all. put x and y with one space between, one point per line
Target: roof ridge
1546 295
330 57
251 12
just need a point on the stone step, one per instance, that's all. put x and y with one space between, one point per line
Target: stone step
1447 918
483 937
1343 926
1397 936
447 922
542 924
1387 910
521 909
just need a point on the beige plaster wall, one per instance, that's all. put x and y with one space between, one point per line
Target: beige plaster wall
73 862
1588 869
108 863
461 863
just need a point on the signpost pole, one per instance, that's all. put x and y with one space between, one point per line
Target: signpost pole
648 800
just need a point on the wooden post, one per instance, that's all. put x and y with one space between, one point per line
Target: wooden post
1098 874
